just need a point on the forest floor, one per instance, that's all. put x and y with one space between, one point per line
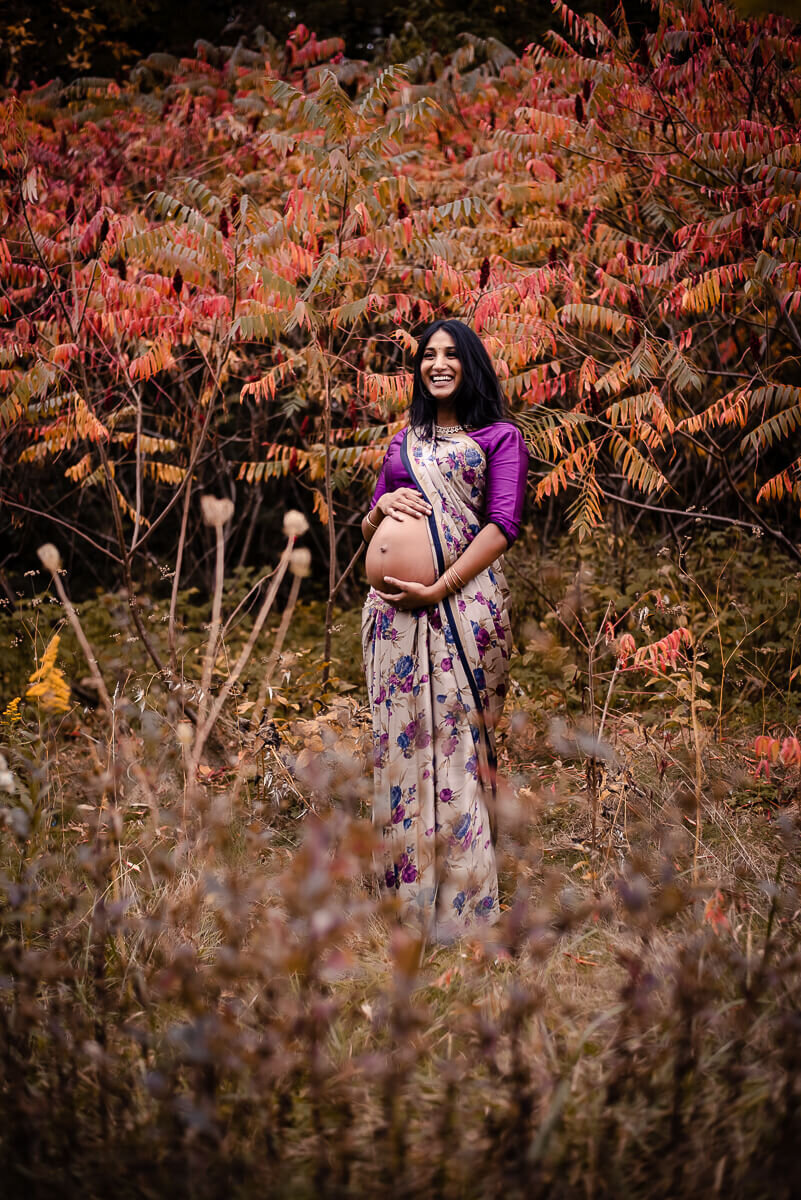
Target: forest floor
208 971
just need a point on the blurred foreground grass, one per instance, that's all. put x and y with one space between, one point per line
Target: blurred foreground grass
201 991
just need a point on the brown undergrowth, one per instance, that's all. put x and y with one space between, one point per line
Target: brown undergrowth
201 992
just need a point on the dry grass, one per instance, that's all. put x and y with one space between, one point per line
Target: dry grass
202 992
230 1005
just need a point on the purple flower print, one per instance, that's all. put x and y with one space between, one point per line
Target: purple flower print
460 604
382 695
482 638
434 620
380 747
413 737
471 766
422 737
398 815
485 906
384 627
446 795
389 877
447 664
407 684
480 598
449 745
408 871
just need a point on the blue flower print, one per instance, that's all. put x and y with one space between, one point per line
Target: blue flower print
385 630
404 665
478 675
394 796
461 827
458 902
472 457
407 822
485 906
403 740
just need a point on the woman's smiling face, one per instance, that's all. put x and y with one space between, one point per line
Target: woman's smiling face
440 369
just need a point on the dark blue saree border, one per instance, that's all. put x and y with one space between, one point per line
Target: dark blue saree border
446 604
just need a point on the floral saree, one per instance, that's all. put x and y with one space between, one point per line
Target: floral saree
436 678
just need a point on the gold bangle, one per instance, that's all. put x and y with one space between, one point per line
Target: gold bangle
457 577
449 584
369 521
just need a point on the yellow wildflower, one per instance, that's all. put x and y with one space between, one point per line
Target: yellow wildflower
11 714
48 685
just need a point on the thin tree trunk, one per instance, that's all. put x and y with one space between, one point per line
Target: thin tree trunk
332 541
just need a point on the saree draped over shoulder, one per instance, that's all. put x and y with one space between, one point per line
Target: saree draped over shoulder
437 679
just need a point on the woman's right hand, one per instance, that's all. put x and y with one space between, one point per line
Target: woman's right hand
402 503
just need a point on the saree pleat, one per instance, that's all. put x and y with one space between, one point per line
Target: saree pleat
436 679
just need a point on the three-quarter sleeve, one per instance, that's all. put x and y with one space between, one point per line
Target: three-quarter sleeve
507 467
391 471
381 484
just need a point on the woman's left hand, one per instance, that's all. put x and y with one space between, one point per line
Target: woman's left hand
410 594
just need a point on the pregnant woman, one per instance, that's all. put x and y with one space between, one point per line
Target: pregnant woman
436 635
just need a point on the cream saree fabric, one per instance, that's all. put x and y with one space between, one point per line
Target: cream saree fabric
437 680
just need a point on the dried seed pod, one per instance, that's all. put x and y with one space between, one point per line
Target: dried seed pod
300 562
216 510
184 732
49 557
295 524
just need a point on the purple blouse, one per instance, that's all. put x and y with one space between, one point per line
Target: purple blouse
507 465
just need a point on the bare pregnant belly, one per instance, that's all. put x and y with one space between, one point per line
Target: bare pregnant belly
402 550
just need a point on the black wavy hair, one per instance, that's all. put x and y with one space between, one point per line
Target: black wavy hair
479 400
